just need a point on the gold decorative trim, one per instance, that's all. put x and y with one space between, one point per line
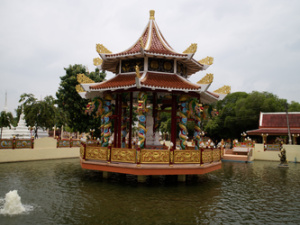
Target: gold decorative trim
223 90
97 153
100 48
155 156
79 88
207 156
152 13
83 79
191 49
186 156
123 155
207 61
97 61
207 79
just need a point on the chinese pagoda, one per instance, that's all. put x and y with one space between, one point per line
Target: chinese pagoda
150 77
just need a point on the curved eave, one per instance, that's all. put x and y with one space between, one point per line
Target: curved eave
208 97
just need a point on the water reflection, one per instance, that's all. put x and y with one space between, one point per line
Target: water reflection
62 193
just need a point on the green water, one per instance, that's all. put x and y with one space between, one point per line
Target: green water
60 192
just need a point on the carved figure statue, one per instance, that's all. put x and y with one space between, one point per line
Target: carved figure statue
282 156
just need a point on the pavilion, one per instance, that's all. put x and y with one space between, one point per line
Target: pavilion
278 124
151 77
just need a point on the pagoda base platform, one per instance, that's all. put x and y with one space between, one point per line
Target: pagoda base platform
151 169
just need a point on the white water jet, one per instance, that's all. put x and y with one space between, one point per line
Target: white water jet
12 205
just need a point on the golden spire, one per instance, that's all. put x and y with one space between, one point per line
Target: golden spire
97 61
152 12
207 79
223 90
207 61
191 49
100 48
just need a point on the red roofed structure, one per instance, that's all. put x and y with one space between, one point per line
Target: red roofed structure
278 124
151 76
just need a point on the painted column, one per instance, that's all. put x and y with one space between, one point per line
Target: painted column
174 121
197 125
183 121
142 99
124 124
107 120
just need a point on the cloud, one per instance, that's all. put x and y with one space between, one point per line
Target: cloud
255 44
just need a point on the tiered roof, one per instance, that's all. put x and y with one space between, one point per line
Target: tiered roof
153 46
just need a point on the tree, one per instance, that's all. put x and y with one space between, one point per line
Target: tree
40 114
294 107
70 102
239 112
5 120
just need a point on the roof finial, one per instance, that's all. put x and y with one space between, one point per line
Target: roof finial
152 12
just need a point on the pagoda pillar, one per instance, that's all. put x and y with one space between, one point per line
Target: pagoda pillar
119 118
107 120
183 122
142 99
130 120
173 120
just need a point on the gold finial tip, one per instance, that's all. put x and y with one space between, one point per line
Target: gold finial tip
152 12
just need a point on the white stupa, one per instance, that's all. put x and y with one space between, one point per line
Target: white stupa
21 131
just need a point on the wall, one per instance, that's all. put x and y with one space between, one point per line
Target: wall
292 152
44 148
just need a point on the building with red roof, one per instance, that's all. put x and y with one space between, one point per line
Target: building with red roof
278 124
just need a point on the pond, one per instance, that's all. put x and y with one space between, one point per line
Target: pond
60 192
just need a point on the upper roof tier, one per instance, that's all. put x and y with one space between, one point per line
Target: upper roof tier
152 44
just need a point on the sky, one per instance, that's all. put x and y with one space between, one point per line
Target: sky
255 44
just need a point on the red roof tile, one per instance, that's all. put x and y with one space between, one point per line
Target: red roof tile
117 81
278 120
159 80
273 131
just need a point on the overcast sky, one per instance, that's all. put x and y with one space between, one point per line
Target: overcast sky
255 44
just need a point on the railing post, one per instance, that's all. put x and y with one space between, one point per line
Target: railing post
71 144
57 141
32 142
14 143
201 156
138 156
212 154
109 153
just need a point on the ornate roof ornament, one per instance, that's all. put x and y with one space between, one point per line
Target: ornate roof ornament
207 79
100 48
137 71
142 43
152 13
83 79
223 90
191 49
97 61
207 61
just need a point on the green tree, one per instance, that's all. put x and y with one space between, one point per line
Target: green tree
294 107
6 119
40 114
239 112
70 102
